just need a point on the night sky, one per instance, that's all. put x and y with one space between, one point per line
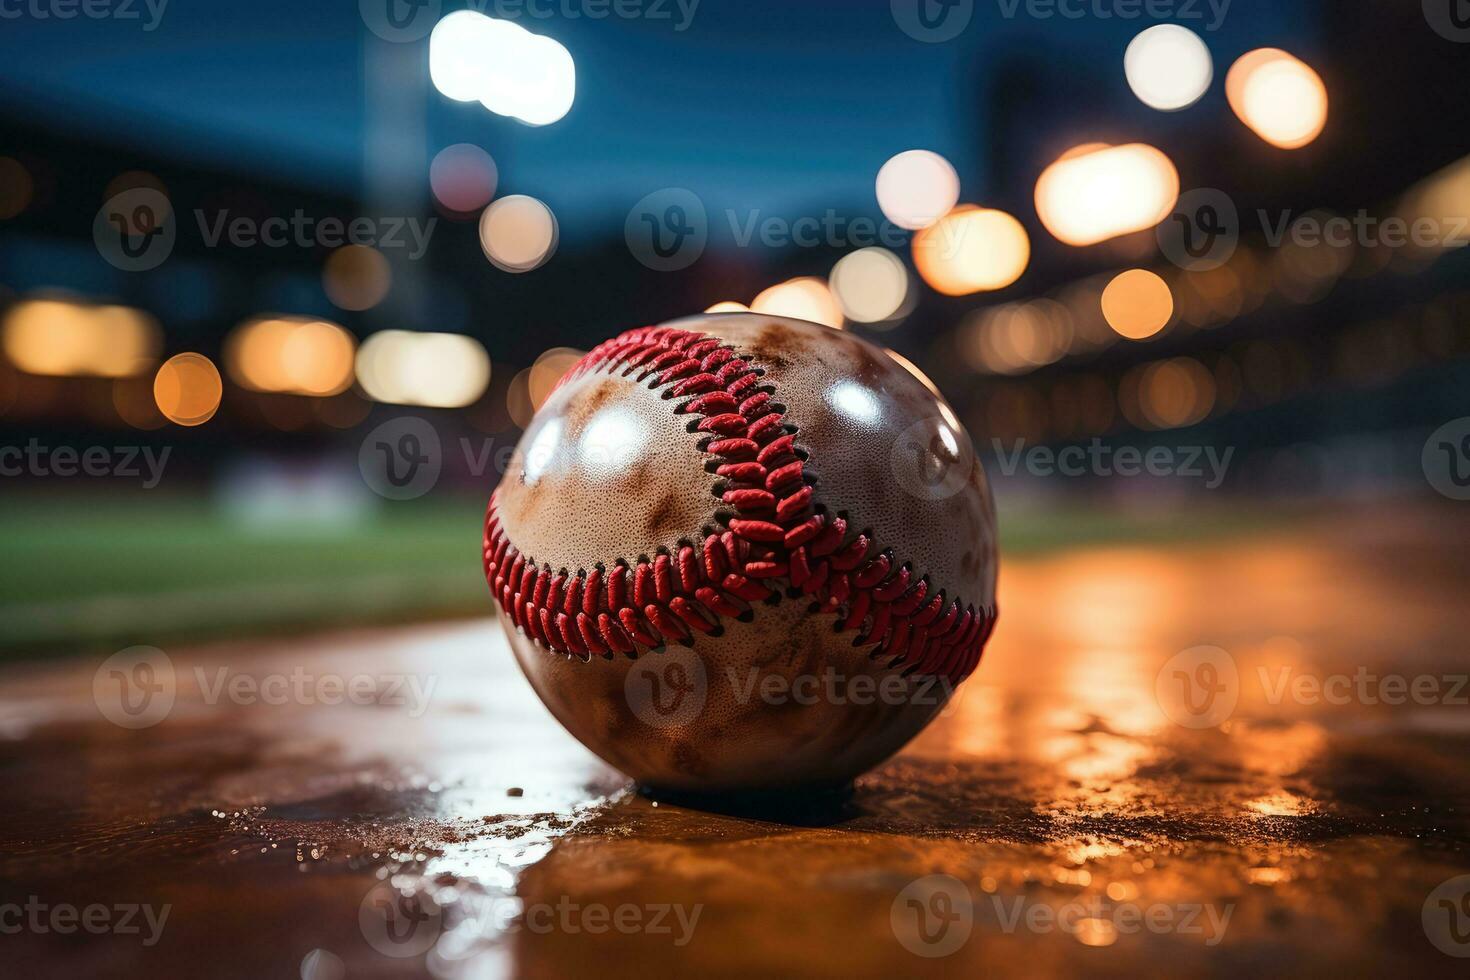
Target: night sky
769 104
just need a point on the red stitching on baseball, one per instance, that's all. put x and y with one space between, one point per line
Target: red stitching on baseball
776 533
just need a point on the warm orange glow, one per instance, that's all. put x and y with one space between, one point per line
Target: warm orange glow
1220 294
728 306
1175 393
1281 803
518 233
59 337
1093 931
1017 337
356 277
1267 876
518 398
971 250
291 354
187 389
1278 96
807 298
1443 198
1095 192
548 371
1137 304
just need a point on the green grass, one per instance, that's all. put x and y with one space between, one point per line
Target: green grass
145 548
1033 532
92 572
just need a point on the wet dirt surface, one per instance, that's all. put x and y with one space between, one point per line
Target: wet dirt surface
1101 796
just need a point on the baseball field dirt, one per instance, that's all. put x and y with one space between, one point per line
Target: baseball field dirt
397 802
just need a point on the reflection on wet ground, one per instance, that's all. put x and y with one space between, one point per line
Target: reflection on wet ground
1219 758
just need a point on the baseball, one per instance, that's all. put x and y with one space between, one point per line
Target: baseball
740 552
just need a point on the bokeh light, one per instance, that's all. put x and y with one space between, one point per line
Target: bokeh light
463 178
916 188
1095 192
290 355
518 404
1443 198
1016 337
540 86
1168 67
547 372
728 306
1169 394
457 48
1211 296
435 370
1278 96
503 66
518 233
1082 304
356 277
60 337
804 298
1137 304
971 250
132 399
187 389
871 285
1306 273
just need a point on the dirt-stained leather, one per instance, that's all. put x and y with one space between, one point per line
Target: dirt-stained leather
742 552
